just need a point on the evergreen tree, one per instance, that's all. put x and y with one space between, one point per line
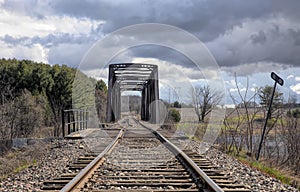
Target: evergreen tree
265 94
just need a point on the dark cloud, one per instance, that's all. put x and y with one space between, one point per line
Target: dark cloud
33 8
208 19
295 34
63 48
272 43
260 37
51 40
222 25
12 41
161 53
69 54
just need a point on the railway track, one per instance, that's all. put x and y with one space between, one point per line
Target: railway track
141 159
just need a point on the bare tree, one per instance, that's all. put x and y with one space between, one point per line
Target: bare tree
7 113
205 99
239 123
290 156
248 116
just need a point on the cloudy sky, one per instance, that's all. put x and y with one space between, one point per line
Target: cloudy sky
246 38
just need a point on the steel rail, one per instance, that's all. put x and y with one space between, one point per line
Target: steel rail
77 182
209 183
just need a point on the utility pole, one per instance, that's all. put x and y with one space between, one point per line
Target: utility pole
280 81
169 95
177 93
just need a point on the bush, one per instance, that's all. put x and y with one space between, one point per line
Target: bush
177 104
174 115
22 116
294 113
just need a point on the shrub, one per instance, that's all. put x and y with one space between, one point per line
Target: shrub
177 104
294 113
174 115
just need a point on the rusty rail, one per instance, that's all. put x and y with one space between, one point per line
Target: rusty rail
77 182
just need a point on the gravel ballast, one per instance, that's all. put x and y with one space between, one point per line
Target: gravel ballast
243 174
58 154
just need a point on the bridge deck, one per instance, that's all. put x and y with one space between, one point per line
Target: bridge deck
92 132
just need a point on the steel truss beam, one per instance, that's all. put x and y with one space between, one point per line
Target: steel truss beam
133 77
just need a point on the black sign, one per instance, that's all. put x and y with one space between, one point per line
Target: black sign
277 78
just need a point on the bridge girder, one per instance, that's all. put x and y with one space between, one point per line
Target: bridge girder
133 77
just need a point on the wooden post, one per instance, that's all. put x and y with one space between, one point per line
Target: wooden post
63 122
69 120
73 120
80 119
77 120
86 118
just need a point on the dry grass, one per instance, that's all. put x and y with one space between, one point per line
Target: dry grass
188 115
294 179
43 132
284 175
17 160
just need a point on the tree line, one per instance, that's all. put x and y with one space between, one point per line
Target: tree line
33 95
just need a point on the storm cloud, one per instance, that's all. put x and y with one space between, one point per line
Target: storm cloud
238 33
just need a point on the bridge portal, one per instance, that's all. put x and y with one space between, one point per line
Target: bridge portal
133 77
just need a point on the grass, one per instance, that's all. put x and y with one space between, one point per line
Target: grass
20 167
14 166
192 130
265 169
19 160
25 165
271 171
